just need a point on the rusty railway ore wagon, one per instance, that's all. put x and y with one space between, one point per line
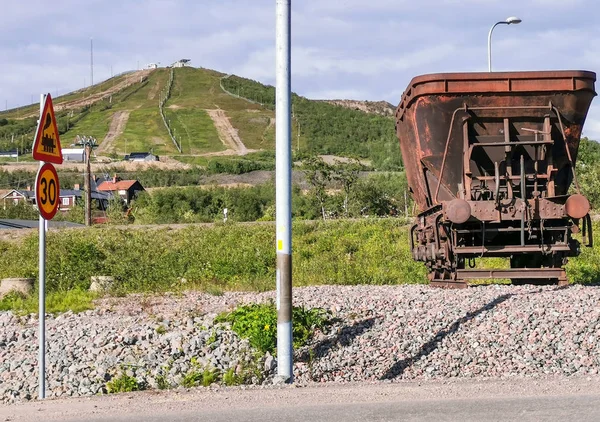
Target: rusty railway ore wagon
490 161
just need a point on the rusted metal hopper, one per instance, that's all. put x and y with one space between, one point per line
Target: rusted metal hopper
489 159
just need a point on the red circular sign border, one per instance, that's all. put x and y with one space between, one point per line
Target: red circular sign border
46 167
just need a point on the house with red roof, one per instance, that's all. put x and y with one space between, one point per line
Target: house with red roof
126 189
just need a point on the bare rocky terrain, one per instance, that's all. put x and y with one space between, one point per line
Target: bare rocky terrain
378 334
382 108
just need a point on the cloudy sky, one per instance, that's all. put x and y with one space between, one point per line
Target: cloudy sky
359 49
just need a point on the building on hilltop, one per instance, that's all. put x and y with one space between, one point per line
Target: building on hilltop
181 63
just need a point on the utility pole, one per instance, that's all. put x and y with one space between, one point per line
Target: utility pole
88 185
91 61
283 170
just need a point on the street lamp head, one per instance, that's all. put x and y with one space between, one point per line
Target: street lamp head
508 21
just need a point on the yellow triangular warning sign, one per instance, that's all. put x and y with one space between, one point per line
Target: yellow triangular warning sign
46 146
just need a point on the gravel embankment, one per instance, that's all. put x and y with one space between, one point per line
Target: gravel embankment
381 333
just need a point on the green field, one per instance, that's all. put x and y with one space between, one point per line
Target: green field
349 252
92 124
337 252
195 130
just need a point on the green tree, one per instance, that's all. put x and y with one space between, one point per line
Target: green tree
588 171
318 174
347 176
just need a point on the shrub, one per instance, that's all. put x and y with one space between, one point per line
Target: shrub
331 252
122 384
258 323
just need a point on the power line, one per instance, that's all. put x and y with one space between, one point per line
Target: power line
91 61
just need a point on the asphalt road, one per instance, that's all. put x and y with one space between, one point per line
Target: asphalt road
520 400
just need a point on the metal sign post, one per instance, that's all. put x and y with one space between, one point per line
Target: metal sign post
42 306
42 290
46 147
284 191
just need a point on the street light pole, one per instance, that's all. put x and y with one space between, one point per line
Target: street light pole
508 21
283 170
88 185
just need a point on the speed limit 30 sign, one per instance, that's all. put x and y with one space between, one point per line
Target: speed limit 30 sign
47 191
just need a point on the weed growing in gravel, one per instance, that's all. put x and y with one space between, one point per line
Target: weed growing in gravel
162 383
230 378
212 338
123 384
213 290
196 377
160 329
258 323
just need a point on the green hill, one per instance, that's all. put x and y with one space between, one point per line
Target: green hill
206 114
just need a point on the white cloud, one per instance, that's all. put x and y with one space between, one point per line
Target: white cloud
341 48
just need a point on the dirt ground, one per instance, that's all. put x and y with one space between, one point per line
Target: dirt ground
198 403
128 80
165 163
116 128
228 135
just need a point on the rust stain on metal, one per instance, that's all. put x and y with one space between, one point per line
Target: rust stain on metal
577 206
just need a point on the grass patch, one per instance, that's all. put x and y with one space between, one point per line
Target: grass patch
254 129
198 377
23 158
332 252
56 302
258 323
195 130
92 124
145 131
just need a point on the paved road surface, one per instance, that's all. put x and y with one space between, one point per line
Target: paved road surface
522 400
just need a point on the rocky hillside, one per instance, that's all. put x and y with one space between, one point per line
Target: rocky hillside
382 108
